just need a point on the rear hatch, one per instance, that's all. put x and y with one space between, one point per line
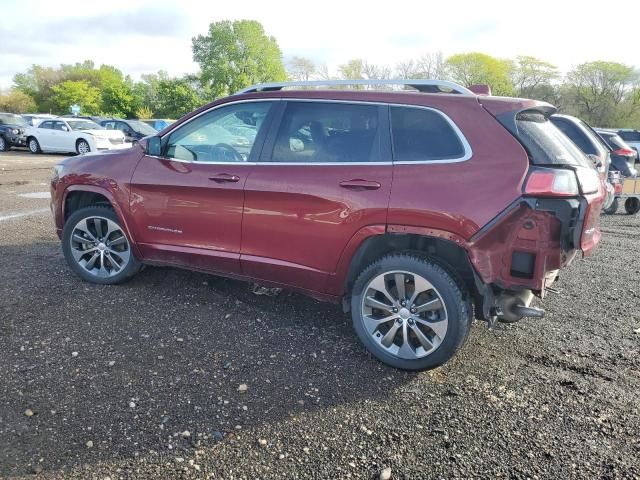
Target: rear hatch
561 179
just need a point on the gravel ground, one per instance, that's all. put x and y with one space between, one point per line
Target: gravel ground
179 374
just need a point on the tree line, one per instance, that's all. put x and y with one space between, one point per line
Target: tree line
234 55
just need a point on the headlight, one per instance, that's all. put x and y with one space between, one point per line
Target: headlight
15 131
55 174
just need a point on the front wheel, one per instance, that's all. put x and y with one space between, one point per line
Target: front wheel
612 208
4 145
632 205
410 312
82 147
97 248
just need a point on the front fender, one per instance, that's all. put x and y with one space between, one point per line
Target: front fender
122 216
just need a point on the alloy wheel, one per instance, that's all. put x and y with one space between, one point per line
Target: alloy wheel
3 144
33 145
83 147
404 314
100 246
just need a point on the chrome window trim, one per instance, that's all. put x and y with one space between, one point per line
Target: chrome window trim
468 152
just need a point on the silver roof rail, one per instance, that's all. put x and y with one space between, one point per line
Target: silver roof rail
425 86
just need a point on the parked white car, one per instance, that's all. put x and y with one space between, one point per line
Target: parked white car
73 135
34 119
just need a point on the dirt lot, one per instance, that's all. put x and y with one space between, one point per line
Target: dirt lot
142 380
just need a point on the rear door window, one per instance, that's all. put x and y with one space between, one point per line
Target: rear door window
424 135
546 143
326 132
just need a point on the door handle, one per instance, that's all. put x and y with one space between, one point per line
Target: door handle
358 184
224 177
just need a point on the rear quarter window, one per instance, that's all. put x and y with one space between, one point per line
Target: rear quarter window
420 134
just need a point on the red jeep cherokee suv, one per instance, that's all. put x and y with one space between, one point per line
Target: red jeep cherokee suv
417 209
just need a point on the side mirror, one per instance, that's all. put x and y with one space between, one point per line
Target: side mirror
154 146
65 129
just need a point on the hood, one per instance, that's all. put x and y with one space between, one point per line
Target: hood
105 133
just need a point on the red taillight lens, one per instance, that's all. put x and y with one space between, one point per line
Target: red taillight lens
624 151
548 182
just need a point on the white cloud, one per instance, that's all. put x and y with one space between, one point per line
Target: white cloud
146 36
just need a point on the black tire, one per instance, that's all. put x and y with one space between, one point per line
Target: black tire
4 144
84 143
632 205
132 267
33 145
454 298
613 208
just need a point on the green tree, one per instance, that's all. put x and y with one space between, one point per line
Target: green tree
603 93
78 92
37 82
531 77
352 70
144 112
479 68
234 55
176 97
15 101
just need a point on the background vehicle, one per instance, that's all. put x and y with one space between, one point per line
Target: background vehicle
623 157
94 118
593 146
12 128
631 136
158 123
33 119
72 135
133 130
293 189
586 139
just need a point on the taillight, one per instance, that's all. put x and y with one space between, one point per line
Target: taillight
588 179
551 182
624 151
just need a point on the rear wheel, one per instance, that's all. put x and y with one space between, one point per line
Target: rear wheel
97 248
34 146
410 312
612 208
4 145
632 205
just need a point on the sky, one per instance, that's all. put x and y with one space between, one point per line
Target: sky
146 36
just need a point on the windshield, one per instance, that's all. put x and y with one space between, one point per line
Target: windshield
546 144
84 125
11 119
142 127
